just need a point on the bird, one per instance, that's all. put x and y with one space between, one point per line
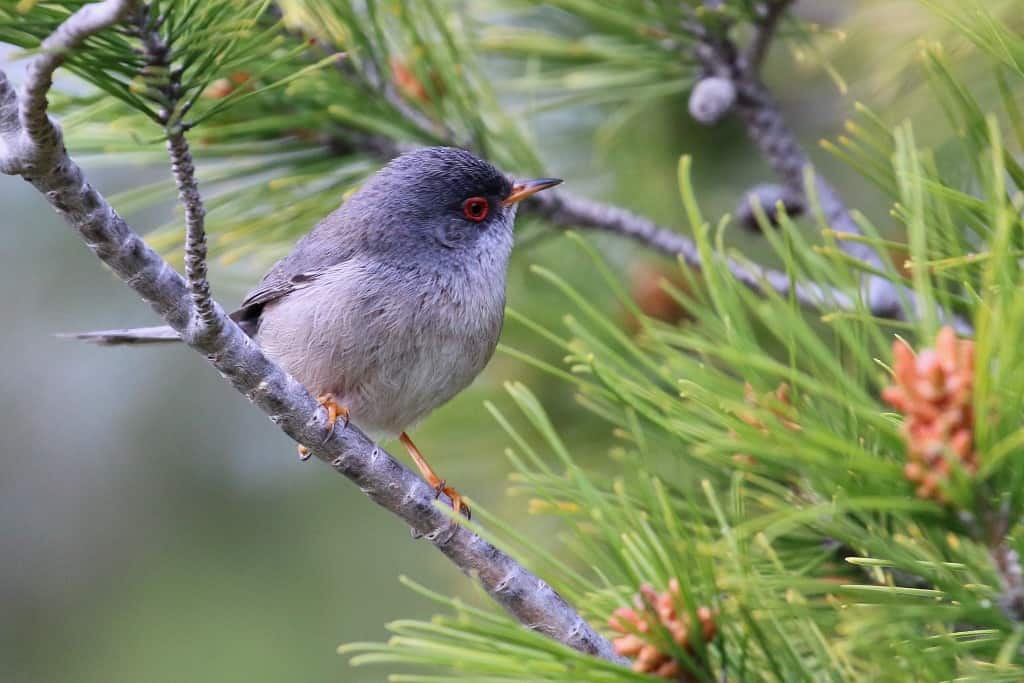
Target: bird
394 302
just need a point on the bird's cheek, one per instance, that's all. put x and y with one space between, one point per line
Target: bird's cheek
450 234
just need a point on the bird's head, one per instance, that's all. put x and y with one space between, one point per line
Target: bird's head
441 198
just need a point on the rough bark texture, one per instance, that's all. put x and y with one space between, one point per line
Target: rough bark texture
31 146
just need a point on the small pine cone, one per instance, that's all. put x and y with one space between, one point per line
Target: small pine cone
934 390
711 99
639 639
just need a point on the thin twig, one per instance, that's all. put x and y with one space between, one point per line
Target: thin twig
157 54
365 72
764 31
285 401
195 232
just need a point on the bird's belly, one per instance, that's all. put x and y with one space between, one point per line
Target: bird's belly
389 361
396 395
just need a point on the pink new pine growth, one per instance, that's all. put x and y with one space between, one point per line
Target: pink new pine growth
639 632
933 390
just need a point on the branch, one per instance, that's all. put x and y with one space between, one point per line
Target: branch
767 128
158 61
1011 576
286 402
764 31
567 210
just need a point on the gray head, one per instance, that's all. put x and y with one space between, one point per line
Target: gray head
440 200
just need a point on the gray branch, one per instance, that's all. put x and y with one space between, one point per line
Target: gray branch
195 231
1011 576
37 154
772 13
567 210
766 126
158 66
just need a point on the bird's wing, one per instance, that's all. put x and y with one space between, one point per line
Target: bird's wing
277 284
324 247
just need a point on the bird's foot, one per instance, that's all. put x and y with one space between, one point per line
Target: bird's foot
334 411
439 485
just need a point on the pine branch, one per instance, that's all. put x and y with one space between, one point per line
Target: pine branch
772 14
36 153
158 60
566 210
767 128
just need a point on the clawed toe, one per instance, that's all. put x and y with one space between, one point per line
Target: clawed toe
334 411
458 504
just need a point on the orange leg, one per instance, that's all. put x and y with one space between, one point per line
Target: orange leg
334 411
437 483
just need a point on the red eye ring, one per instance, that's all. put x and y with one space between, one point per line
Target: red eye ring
476 209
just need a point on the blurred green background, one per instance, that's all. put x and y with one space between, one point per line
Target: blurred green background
155 527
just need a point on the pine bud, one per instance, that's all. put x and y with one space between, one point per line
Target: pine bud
712 98
933 390
643 642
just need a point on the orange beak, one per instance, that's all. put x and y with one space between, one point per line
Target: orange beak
525 188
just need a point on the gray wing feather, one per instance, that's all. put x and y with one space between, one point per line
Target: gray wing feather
324 246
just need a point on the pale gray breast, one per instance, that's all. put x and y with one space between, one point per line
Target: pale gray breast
391 342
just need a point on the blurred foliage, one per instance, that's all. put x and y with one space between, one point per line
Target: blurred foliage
785 511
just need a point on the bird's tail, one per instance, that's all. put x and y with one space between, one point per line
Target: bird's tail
160 334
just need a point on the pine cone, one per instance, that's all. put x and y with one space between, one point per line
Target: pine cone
640 639
933 390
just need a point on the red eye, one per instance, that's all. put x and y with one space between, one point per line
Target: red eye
476 209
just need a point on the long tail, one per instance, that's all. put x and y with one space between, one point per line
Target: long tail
161 334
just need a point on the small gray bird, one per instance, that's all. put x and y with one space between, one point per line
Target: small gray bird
394 302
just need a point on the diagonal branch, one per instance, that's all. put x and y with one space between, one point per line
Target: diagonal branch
286 402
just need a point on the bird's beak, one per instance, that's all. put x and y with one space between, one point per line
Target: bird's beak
525 188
